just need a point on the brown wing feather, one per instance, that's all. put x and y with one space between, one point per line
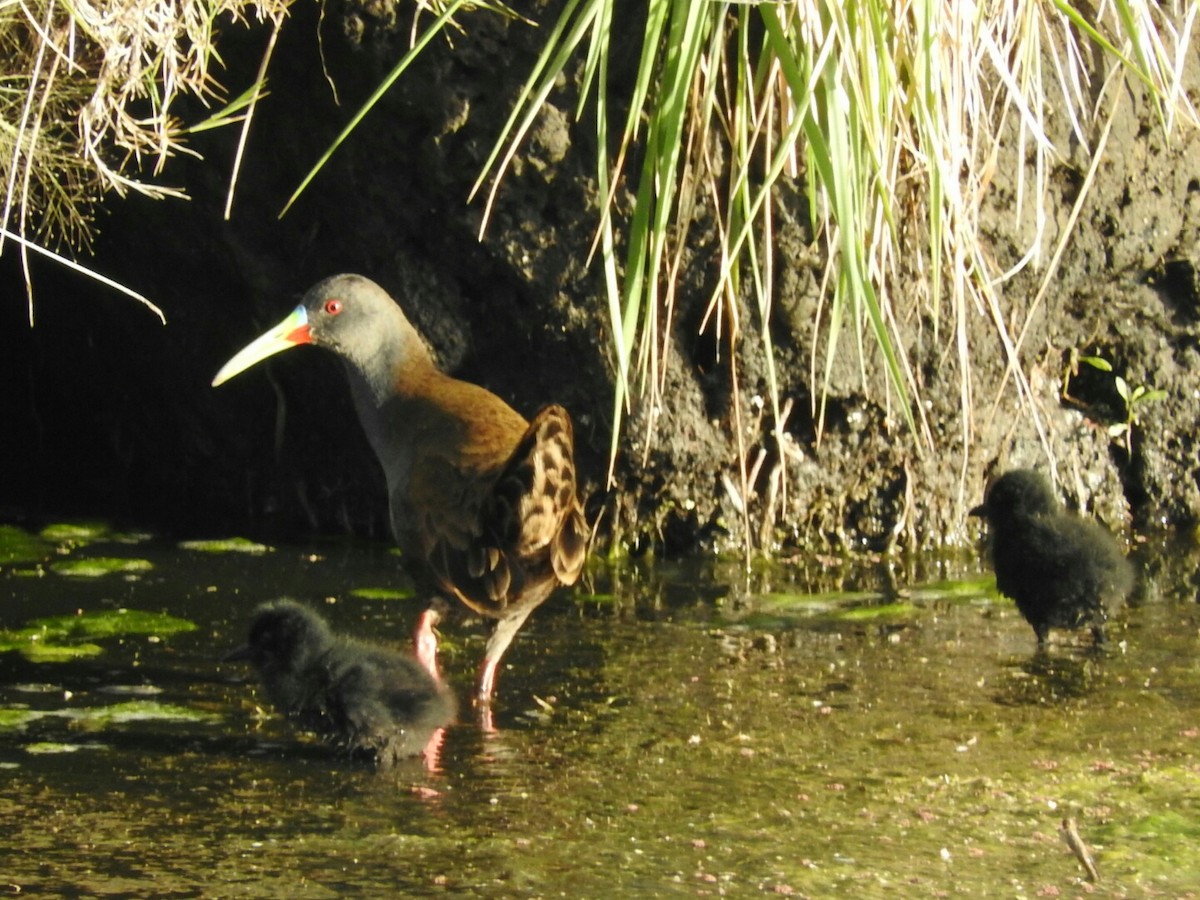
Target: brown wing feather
528 532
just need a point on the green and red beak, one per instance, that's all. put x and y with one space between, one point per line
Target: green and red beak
289 333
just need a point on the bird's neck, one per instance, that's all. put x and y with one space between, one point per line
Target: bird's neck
384 359
391 386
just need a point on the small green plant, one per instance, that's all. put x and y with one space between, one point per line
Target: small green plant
1134 398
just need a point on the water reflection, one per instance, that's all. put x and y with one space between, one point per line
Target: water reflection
672 729
1049 678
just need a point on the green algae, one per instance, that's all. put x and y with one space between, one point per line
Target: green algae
598 598
19 546
966 589
96 718
75 532
815 603
227 545
99 717
378 593
99 566
16 718
60 638
39 651
109 623
825 761
878 611
48 748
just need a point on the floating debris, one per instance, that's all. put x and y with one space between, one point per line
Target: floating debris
1070 834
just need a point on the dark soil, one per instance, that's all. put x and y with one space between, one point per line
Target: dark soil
106 411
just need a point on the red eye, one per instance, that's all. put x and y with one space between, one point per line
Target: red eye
333 306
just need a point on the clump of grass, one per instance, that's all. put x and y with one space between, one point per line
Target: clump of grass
87 92
895 114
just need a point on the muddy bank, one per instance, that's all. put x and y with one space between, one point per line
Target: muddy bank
114 414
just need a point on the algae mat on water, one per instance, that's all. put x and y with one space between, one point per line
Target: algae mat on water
19 546
72 636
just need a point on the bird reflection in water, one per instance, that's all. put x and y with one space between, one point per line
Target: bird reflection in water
1049 679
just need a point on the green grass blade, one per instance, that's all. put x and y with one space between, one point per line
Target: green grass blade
231 112
561 44
435 28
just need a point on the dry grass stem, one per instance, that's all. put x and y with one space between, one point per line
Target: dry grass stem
87 93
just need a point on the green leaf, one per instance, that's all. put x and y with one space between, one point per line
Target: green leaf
1122 388
1097 362
232 112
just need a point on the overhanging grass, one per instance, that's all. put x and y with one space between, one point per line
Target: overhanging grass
87 93
888 105
892 113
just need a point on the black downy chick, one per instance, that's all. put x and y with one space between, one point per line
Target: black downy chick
1063 571
364 698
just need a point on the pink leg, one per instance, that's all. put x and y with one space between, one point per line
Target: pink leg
425 645
425 642
506 629
487 680
483 699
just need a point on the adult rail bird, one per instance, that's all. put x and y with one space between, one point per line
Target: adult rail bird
1063 571
483 504
361 697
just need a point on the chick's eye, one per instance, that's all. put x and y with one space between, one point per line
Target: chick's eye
333 306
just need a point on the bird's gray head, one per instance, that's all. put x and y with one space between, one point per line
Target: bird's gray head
350 315
357 319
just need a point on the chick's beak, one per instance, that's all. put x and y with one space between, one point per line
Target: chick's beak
238 654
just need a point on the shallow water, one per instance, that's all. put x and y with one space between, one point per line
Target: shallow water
819 728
